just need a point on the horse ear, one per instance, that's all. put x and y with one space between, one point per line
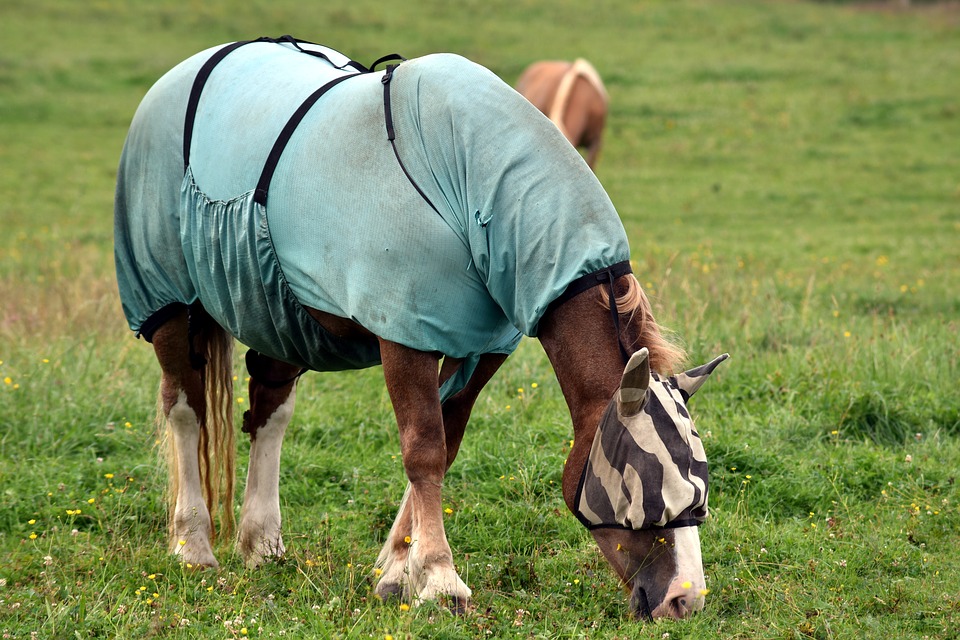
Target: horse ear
634 384
689 381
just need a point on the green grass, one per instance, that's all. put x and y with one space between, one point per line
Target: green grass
788 176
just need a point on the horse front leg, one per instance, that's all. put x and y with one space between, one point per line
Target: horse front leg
416 561
272 393
456 413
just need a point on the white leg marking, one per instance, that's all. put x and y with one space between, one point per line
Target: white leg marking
430 561
191 520
421 569
259 536
392 561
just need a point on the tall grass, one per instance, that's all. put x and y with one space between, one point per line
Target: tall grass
787 175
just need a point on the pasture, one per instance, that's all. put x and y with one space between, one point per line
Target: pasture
789 178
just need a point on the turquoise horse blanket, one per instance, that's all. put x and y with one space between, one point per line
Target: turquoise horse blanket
507 216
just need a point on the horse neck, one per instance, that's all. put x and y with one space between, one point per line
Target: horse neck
580 340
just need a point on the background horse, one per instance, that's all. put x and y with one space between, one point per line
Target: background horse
332 217
572 95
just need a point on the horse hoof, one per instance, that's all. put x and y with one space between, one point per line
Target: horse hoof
457 606
389 592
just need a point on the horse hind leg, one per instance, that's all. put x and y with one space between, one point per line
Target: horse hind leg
272 393
197 432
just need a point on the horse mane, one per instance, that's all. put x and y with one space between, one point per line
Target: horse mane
579 68
666 357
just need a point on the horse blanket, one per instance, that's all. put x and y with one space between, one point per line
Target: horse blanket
507 216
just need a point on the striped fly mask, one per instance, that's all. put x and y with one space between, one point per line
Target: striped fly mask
647 467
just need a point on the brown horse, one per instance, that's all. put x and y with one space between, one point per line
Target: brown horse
504 232
572 95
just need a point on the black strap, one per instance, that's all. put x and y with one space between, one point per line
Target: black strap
391 132
589 281
270 166
195 314
203 75
296 42
615 315
387 58
256 369
263 185
198 83
603 276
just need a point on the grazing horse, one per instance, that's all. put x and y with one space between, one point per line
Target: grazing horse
572 95
333 217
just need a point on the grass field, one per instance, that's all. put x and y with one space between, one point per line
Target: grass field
789 176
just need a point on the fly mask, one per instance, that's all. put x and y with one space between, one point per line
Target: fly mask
647 467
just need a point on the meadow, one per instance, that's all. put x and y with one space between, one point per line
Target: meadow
789 177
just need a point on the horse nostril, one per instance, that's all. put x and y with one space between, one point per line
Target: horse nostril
682 606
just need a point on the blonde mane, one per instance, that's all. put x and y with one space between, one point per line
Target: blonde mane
579 69
666 357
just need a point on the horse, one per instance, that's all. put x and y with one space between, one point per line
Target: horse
423 217
572 95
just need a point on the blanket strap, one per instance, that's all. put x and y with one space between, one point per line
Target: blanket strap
198 83
256 367
263 185
604 276
391 132
204 74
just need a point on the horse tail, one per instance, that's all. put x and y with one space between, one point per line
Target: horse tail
212 352
665 356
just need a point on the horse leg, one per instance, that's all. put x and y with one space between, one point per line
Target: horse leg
183 402
272 392
393 559
457 409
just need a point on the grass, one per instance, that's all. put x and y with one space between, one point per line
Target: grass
787 174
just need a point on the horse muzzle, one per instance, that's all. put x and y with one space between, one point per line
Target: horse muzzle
682 599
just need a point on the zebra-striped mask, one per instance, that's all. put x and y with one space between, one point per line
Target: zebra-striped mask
647 467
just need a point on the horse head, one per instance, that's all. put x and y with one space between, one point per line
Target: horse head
643 490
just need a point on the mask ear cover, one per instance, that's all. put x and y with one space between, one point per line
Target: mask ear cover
689 381
634 384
